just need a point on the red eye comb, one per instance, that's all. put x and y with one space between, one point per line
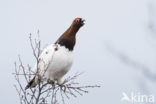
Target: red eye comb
78 19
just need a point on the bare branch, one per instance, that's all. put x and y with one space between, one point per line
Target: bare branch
44 92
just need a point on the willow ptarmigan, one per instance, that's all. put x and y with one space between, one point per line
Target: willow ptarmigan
56 59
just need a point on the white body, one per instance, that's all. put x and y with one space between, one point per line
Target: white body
54 63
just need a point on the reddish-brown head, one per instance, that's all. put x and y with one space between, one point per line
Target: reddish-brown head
78 22
68 38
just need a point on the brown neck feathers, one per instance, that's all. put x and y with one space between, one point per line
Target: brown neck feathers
68 38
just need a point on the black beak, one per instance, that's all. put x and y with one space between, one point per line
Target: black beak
82 22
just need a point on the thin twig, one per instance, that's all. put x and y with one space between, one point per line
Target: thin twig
44 92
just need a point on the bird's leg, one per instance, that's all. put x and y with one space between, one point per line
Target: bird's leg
52 82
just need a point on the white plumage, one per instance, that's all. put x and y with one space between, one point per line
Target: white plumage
56 59
54 62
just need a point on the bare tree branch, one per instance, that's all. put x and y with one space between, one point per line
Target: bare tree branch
44 92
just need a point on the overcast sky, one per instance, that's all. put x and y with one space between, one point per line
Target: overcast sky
120 24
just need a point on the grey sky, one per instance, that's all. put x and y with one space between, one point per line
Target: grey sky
121 24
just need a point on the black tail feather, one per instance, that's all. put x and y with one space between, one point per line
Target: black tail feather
31 84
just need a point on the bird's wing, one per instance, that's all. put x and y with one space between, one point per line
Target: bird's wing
44 60
40 67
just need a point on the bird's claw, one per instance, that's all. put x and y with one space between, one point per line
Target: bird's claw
53 83
50 81
63 87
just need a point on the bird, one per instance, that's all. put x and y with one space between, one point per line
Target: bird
56 59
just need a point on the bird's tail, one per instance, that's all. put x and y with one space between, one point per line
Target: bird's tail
31 84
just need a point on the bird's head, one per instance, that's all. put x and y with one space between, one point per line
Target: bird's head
78 22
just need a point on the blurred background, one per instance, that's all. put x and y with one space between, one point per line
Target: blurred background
116 47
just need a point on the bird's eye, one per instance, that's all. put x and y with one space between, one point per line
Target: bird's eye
77 20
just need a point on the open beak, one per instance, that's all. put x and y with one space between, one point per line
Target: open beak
82 21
